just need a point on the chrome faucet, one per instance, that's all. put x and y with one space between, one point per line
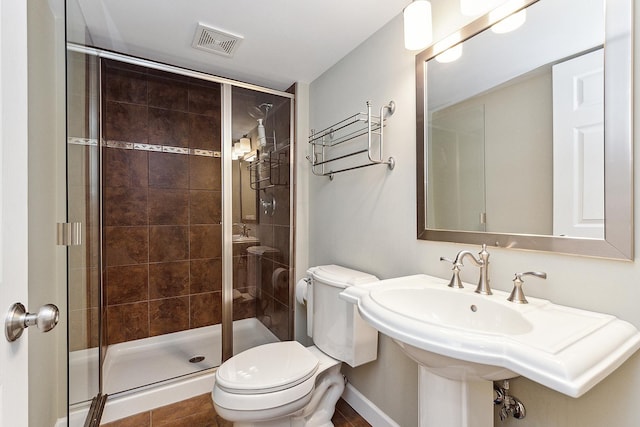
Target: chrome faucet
517 295
483 263
245 229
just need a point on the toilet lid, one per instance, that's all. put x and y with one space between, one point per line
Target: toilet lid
340 277
266 368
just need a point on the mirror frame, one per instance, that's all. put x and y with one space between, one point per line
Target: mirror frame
619 228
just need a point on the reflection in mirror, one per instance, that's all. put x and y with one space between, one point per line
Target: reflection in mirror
495 135
456 163
260 140
244 197
511 135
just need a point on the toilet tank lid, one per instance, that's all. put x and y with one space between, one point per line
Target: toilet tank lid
340 277
261 250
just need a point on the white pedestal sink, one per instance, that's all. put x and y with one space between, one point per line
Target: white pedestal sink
464 341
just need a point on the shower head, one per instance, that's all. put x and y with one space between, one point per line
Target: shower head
259 112
255 112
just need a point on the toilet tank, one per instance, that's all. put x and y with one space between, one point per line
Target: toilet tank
338 330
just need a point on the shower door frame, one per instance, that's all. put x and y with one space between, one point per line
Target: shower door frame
227 222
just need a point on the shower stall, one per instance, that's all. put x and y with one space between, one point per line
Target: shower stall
181 183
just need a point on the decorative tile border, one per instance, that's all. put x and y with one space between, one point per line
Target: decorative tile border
83 141
119 144
123 145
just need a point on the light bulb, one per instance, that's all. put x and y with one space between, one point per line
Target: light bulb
478 7
450 55
510 23
245 145
417 25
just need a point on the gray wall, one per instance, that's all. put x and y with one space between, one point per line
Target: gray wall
366 219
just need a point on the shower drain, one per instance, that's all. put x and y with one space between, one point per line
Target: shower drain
196 359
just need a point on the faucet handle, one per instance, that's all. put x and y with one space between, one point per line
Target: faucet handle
517 295
455 281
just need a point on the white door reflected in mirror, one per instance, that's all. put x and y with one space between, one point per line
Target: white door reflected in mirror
578 146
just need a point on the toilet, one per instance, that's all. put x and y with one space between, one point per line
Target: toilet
285 384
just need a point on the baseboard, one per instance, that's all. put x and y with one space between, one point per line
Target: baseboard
62 422
366 408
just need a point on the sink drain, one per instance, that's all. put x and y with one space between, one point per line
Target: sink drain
196 359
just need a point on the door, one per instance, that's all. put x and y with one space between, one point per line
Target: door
13 206
578 146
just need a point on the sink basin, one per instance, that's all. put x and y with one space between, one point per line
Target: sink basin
458 310
239 238
461 335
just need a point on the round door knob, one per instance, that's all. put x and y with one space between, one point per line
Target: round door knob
18 320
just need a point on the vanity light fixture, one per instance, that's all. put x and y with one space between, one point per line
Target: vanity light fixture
417 25
510 23
236 153
250 157
478 7
245 145
452 54
240 148
449 54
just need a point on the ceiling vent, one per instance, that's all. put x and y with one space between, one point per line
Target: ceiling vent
215 41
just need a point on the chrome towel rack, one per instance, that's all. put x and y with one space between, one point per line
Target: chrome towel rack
270 169
326 144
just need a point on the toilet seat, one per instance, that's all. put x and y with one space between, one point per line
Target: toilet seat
267 368
277 376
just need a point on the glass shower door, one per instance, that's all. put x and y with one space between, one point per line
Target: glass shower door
261 214
162 204
83 182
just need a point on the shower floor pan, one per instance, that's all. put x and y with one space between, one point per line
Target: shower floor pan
148 361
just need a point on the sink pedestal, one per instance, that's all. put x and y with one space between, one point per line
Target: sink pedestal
453 403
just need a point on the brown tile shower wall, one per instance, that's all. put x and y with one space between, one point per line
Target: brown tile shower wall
161 211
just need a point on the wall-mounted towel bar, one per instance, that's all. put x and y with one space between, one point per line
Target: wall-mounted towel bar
327 145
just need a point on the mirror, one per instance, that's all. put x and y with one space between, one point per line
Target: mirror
533 148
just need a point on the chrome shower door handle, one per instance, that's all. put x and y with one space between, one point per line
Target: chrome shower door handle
17 320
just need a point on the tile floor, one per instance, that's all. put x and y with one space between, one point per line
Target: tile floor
198 412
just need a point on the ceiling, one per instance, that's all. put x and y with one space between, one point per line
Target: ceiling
284 41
